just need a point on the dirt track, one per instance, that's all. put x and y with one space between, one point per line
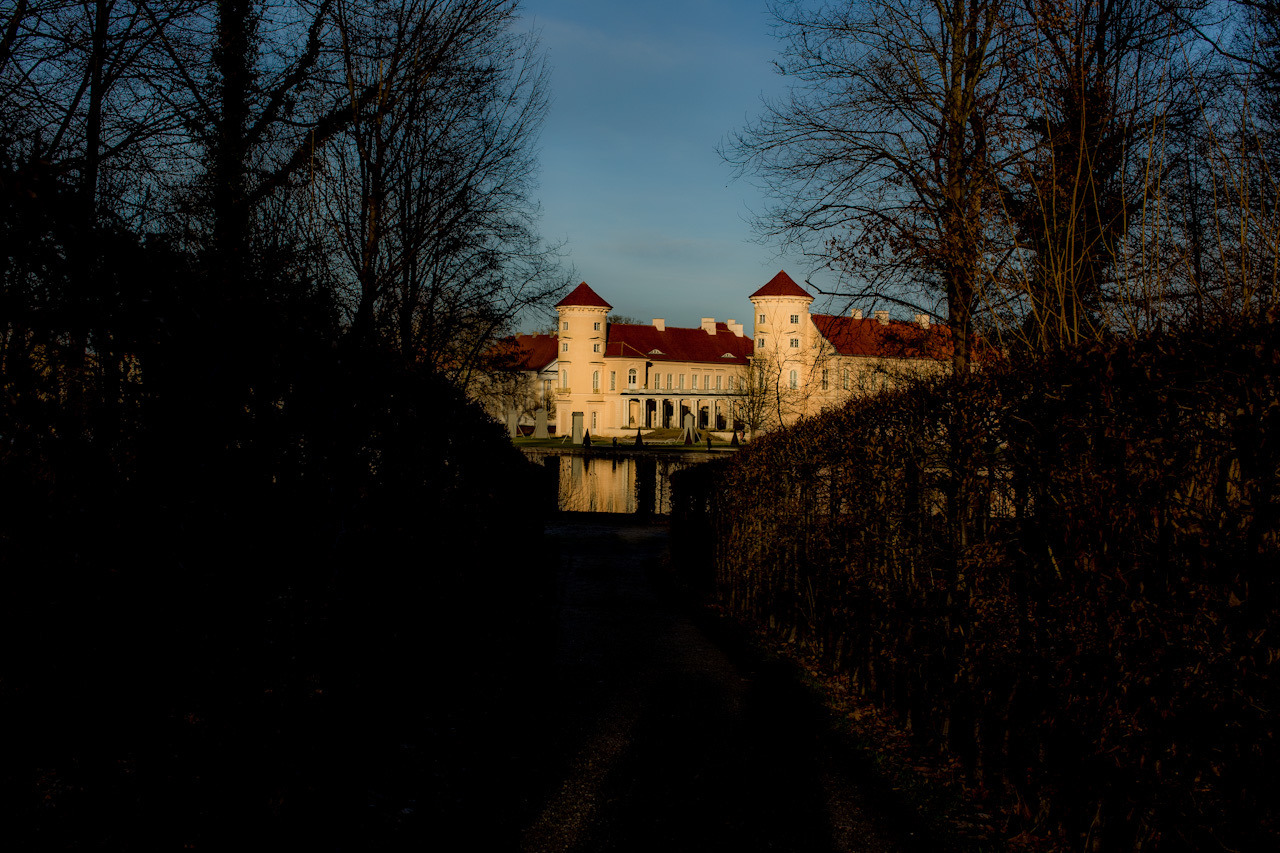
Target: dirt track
658 739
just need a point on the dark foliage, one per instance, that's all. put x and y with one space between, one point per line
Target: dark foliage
1063 575
254 579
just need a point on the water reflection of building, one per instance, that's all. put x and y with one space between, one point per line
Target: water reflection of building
615 377
617 482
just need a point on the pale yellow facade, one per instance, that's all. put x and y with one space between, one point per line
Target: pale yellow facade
614 379
616 394
799 371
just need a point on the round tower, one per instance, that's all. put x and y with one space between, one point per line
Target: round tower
783 330
582 331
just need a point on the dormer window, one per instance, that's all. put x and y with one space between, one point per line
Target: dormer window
727 355
655 352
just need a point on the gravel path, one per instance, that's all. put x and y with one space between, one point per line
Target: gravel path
656 739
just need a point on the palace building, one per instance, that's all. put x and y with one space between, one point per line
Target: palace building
611 378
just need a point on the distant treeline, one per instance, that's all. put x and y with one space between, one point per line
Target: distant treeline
1063 574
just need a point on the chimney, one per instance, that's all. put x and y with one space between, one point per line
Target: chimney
736 328
882 317
659 324
922 320
855 313
709 325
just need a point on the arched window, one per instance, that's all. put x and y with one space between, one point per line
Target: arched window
595 381
795 379
631 378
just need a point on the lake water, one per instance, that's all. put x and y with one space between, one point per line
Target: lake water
606 481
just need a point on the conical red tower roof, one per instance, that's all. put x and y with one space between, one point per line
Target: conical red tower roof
583 296
782 285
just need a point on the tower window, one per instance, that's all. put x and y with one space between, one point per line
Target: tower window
795 319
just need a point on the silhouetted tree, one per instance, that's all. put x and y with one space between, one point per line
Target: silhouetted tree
428 192
879 161
1104 90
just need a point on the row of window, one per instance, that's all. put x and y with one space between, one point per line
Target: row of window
565 326
795 320
793 380
793 343
674 381
613 380
678 378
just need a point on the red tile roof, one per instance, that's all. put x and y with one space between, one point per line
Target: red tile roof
782 285
524 352
675 344
583 295
898 339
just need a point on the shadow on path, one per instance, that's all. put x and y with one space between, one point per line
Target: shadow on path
656 739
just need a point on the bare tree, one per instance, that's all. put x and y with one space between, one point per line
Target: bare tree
1105 89
879 162
87 127
429 192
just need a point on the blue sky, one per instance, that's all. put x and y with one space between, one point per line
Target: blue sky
643 92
